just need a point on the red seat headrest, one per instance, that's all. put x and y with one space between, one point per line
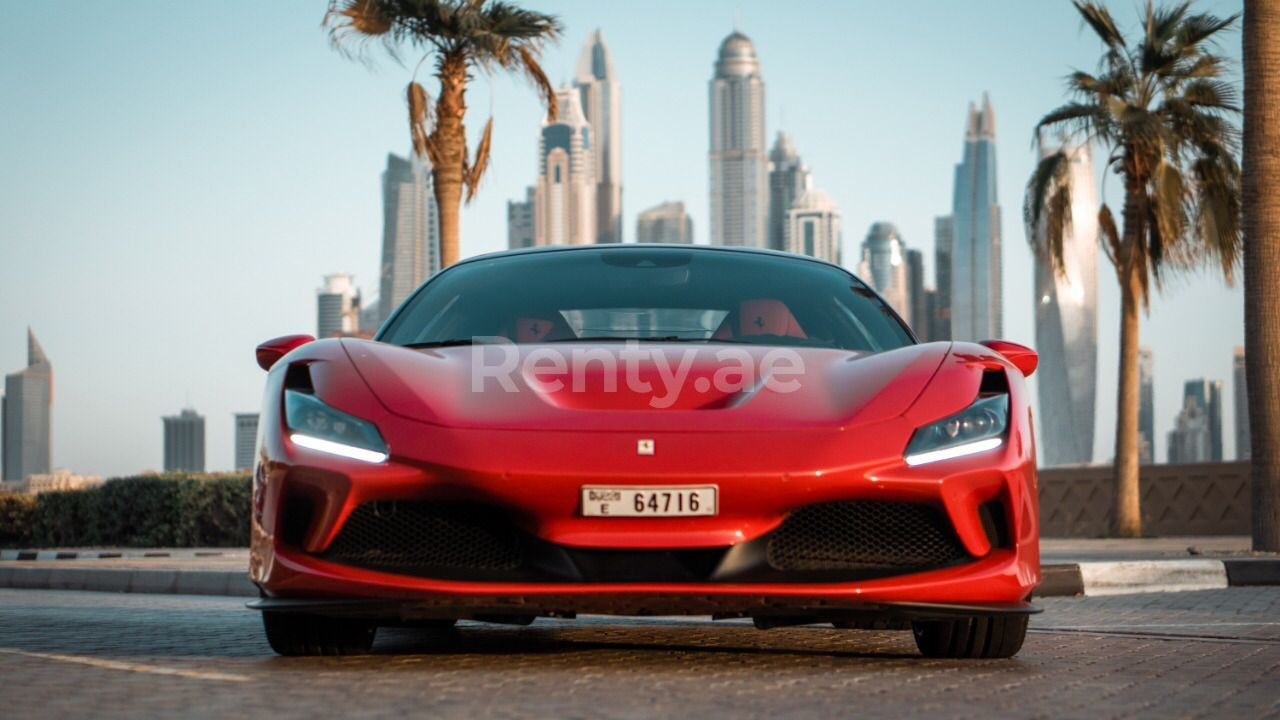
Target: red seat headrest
766 316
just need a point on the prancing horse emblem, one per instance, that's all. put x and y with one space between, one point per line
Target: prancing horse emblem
644 447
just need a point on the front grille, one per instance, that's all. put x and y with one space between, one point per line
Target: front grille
419 536
865 535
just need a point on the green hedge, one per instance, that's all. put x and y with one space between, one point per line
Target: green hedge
171 510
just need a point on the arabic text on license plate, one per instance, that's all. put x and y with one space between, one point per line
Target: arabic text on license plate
669 501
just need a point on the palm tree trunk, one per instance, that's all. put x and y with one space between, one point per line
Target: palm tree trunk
450 141
1261 260
1126 513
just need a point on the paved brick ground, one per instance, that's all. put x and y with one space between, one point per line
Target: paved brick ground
1204 654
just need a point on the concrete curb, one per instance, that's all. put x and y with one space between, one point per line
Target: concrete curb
1127 577
108 554
1059 580
180 582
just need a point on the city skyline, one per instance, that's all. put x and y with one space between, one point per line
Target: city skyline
893 165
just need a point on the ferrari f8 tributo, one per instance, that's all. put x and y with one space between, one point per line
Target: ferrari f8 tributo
645 430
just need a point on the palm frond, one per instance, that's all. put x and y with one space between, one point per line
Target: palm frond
476 169
1196 29
353 23
419 119
1108 234
1168 213
1097 17
1075 118
1047 207
533 71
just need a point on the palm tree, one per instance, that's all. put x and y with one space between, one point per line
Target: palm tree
1160 108
462 36
1261 258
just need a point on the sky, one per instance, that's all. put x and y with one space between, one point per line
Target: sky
177 177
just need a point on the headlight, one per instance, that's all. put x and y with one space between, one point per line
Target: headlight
316 426
979 427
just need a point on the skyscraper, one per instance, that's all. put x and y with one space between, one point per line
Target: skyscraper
1146 406
1241 389
410 230
739 194
1189 441
337 306
565 196
1067 323
184 442
602 104
788 180
665 223
28 416
940 318
1208 396
246 440
520 221
884 266
975 233
813 227
916 294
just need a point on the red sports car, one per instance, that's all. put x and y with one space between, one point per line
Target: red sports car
645 430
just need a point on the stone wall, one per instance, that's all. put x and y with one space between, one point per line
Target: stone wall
1198 499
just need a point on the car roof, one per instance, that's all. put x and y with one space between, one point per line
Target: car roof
648 246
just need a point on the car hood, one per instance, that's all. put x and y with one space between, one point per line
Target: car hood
620 387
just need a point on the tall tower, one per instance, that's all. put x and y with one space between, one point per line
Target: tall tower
184 442
1146 406
975 233
788 179
940 317
1067 323
813 227
1207 395
246 440
1240 388
601 98
337 306
739 169
917 296
28 416
884 267
565 196
665 223
410 231
520 221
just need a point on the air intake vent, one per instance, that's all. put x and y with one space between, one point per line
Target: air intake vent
866 535
417 537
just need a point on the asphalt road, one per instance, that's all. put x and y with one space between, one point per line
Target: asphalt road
1197 654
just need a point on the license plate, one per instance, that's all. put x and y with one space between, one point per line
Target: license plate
669 501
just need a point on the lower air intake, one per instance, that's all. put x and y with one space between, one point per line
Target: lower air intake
864 535
417 536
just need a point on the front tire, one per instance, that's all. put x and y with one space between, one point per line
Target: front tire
982 637
294 634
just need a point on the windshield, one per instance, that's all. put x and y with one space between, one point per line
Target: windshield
648 294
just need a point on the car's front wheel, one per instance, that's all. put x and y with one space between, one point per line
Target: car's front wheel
301 634
975 637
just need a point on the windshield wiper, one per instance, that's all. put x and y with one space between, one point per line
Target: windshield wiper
615 338
454 342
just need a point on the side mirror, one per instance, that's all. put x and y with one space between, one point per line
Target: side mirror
1022 357
274 349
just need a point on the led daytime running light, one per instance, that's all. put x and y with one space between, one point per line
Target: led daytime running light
335 448
972 448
